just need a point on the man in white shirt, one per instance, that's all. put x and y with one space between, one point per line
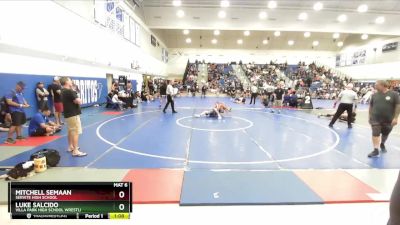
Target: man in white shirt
170 93
254 92
116 100
348 100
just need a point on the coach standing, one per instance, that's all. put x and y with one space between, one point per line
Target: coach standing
72 110
16 103
348 100
170 93
384 111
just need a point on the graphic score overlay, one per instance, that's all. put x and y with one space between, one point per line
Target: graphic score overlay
73 200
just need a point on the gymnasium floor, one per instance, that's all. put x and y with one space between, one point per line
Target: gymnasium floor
251 156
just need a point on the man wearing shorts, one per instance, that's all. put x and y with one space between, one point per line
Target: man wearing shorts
55 92
16 103
72 110
278 93
384 111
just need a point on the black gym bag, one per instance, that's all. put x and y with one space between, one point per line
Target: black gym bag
52 156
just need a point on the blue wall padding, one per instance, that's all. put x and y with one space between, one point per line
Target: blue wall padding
93 90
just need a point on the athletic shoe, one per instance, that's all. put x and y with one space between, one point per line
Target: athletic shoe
164 111
374 153
383 148
174 112
350 126
21 138
219 117
330 125
9 141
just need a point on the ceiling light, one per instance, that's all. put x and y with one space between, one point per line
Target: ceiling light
246 33
186 32
188 40
225 4
214 41
315 43
217 32
272 4
290 42
336 35
342 18
340 44
362 8
380 20
221 14
277 33
307 34
265 42
364 36
318 6
180 13
240 41
177 3
263 15
303 16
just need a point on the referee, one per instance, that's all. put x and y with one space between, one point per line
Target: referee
170 92
384 110
348 100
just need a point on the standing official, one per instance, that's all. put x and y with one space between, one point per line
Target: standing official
170 99
384 110
348 100
254 93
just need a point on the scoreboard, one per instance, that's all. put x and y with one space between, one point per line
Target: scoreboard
74 200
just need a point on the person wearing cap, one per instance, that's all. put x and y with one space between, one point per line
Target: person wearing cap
16 103
348 100
41 95
55 92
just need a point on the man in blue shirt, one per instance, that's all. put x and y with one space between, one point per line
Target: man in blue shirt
40 124
16 103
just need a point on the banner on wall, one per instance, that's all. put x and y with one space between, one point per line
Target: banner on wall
390 47
153 40
112 15
352 58
89 90
359 57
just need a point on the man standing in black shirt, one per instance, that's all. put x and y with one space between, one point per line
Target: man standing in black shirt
72 110
279 92
55 92
163 93
170 98
384 110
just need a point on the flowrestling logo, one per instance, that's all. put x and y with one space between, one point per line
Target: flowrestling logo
89 90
